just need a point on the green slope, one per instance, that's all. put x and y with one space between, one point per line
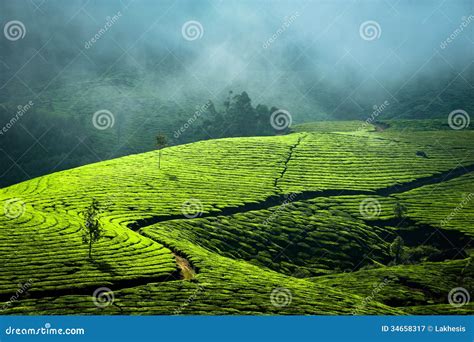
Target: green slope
259 219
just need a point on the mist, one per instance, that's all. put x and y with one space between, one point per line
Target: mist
152 63
280 51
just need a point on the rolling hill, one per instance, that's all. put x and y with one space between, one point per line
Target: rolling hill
304 223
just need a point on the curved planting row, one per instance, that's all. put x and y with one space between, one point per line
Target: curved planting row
247 262
372 161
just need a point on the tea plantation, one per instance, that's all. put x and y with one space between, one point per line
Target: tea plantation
329 219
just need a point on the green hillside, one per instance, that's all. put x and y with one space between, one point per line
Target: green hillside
304 223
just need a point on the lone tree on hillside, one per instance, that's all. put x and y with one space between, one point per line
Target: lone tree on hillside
397 250
161 141
92 230
400 210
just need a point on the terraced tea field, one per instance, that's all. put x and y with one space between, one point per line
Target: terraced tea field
304 223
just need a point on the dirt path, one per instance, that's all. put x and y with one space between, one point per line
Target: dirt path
285 166
187 271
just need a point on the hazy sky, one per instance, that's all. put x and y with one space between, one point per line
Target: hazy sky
293 51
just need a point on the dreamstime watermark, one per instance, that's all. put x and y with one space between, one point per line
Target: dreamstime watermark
21 110
103 297
287 21
192 30
46 330
459 119
458 297
13 208
287 202
22 288
377 110
199 111
110 21
192 208
367 300
14 30
280 297
281 119
370 30
465 23
456 210
370 208
190 300
103 119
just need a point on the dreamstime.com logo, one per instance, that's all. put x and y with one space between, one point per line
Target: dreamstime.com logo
21 110
281 119
287 203
103 119
190 300
109 22
370 30
281 297
14 30
465 21
103 297
199 111
192 208
377 110
370 208
367 300
13 208
287 21
459 119
466 199
45 330
192 30
22 288
458 297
